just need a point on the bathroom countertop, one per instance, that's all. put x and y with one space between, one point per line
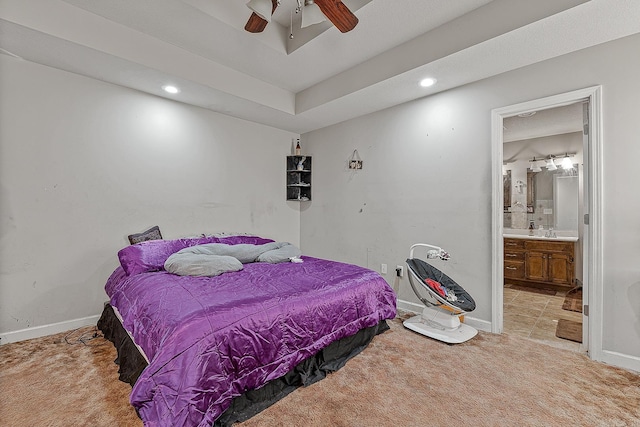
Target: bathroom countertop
526 236
562 236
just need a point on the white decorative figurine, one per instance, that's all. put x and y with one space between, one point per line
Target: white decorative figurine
301 163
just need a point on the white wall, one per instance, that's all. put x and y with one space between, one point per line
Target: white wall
84 163
427 178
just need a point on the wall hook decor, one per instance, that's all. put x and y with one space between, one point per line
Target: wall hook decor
518 186
355 162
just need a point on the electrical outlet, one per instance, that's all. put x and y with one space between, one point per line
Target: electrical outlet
399 270
383 269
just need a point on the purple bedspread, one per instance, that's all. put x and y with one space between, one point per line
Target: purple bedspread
210 339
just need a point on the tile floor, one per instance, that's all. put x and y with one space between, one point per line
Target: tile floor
534 315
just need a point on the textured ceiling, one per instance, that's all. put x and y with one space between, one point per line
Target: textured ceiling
320 78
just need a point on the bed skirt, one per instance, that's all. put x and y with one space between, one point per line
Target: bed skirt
307 372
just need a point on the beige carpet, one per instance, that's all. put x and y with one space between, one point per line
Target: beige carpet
401 379
54 381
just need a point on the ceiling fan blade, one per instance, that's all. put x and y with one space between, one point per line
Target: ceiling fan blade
338 14
255 24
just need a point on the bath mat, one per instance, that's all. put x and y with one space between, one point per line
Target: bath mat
569 330
573 300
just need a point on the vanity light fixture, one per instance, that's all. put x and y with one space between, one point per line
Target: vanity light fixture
428 82
535 166
551 164
170 89
566 162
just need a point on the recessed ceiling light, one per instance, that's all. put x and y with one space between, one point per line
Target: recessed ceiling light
170 89
427 82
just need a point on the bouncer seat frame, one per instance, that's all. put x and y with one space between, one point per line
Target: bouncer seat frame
445 301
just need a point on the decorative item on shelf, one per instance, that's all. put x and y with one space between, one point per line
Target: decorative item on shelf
355 162
300 165
298 147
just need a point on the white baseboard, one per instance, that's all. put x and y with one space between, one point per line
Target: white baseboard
625 361
409 306
481 325
44 330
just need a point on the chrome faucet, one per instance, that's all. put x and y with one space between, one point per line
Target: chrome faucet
550 233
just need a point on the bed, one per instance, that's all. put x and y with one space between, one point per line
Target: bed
203 351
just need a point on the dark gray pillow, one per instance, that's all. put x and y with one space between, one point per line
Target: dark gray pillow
151 234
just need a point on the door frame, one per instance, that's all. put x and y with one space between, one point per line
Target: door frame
592 195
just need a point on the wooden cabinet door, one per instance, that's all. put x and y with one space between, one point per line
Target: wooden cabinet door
536 267
561 269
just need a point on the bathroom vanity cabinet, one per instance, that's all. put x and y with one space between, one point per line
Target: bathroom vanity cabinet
539 263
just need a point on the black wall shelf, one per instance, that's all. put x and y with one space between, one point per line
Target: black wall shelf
299 178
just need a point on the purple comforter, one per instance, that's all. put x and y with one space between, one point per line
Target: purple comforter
210 339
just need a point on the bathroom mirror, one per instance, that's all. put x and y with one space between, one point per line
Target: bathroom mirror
555 198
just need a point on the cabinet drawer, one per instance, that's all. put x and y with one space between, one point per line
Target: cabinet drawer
513 255
543 245
513 244
513 269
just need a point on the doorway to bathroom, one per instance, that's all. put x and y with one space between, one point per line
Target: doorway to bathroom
545 233
542 169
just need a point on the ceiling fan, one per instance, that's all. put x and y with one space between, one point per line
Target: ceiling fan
334 10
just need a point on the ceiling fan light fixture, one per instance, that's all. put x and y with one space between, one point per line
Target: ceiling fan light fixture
262 8
311 14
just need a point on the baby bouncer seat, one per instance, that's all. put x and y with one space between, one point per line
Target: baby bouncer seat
445 301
